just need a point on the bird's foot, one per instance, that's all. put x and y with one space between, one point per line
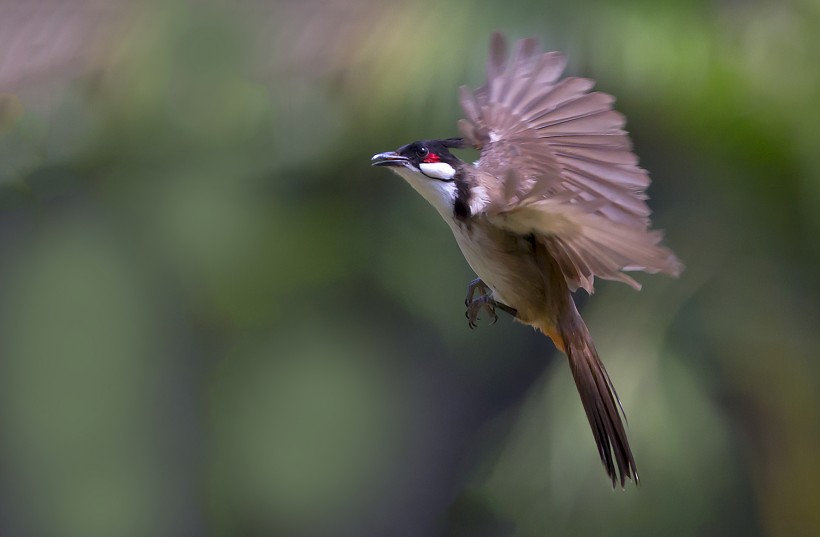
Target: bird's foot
484 300
476 286
474 307
475 304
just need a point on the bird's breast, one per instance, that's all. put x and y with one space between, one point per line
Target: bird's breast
505 262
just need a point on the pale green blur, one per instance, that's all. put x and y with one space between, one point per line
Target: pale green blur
217 319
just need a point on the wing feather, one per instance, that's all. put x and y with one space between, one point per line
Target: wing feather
591 122
565 90
594 154
584 105
563 165
586 243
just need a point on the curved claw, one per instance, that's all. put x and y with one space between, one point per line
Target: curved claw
484 300
472 317
474 309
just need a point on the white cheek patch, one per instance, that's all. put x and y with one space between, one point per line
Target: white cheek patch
437 170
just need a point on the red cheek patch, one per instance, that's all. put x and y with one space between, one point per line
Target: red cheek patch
430 158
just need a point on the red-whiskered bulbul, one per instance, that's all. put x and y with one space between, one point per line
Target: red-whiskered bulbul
555 199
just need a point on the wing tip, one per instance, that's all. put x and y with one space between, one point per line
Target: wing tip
498 55
498 41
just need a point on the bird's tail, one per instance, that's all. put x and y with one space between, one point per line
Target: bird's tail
601 403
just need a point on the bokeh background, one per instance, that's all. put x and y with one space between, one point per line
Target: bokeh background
217 319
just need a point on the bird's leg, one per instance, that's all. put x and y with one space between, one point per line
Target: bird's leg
484 300
472 287
474 308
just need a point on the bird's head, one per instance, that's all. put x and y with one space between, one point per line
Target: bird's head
428 158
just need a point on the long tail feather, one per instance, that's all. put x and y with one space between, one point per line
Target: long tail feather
601 403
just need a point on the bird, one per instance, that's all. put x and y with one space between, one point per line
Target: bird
555 199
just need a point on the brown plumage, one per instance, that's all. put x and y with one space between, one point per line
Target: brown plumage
566 164
556 199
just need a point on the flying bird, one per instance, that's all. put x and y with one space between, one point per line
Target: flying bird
555 199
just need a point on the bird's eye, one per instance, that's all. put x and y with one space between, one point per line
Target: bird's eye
422 151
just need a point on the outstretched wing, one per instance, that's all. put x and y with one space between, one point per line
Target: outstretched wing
565 166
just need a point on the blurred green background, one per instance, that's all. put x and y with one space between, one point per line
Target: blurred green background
217 319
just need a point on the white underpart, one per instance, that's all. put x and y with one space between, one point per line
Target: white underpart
442 195
485 259
439 194
438 170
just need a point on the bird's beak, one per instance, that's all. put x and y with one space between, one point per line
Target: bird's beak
391 158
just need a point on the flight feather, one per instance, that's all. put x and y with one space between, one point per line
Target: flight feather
569 175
